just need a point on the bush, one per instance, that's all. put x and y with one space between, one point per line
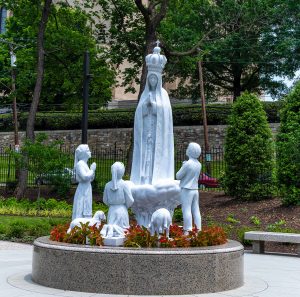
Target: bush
248 151
137 236
84 234
185 115
24 229
288 149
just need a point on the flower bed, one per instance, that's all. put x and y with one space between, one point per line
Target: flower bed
138 237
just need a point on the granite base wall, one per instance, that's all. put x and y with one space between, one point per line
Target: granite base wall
120 137
132 271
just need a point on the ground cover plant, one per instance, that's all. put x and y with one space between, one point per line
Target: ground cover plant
139 236
27 229
41 207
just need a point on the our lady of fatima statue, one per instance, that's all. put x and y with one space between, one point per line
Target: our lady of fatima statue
153 153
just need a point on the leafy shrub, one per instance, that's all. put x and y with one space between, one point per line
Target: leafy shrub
232 219
16 229
288 149
255 220
24 229
178 216
185 115
84 234
208 236
137 236
46 161
241 234
41 207
248 151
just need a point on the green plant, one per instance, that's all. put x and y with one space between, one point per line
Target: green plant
46 161
83 234
208 236
25 229
255 220
41 207
279 226
288 153
241 234
232 219
249 154
139 236
178 216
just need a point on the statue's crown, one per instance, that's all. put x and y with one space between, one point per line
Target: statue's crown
156 62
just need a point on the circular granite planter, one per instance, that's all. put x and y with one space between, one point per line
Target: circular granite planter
131 271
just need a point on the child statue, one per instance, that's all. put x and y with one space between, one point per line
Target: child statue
117 195
189 195
82 205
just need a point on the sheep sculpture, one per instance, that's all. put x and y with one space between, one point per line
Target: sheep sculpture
97 218
160 221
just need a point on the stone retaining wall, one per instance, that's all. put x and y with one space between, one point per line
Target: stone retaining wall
120 137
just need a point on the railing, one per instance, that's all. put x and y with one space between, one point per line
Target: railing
104 159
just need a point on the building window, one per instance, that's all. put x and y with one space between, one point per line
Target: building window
3 14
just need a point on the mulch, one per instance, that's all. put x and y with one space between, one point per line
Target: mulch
217 207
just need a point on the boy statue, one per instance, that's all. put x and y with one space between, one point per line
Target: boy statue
189 195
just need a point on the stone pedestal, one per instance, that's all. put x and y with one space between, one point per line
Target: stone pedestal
114 241
138 271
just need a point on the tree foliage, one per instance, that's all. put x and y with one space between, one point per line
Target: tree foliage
244 44
288 149
249 154
68 35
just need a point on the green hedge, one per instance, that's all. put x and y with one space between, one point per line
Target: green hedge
217 114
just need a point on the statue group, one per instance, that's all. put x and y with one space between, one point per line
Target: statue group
152 191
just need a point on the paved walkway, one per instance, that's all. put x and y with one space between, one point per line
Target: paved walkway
265 276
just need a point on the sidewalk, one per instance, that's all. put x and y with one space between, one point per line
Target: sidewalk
265 276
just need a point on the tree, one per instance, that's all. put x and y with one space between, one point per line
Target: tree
133 27
243 44
249 153
253 41
288 148
67 36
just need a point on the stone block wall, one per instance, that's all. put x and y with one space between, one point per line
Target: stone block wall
120 137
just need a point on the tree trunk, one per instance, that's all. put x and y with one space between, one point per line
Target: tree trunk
22 182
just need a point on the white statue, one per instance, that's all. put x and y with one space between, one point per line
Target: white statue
98 217
160 221
153 153
117 195
189 195
82 206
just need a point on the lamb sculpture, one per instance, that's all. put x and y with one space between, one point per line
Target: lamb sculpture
160 221
97 218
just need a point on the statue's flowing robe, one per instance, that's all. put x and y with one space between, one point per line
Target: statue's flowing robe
163 158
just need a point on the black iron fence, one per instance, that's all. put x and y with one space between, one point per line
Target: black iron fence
212 165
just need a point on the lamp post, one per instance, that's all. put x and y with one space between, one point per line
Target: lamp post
204 117
13 65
